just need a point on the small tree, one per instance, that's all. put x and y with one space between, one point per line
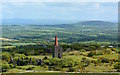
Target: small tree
46 62
90 54
54 62
6 56
5 67
117 65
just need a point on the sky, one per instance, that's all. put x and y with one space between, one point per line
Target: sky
74 11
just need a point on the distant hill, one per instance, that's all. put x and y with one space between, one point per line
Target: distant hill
96 23
88 23
59 23
69 33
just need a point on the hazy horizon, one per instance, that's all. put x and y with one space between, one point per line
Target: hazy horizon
43 22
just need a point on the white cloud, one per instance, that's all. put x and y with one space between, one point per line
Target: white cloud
20 4
60 1
63 10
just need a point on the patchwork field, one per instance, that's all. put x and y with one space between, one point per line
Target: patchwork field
87 47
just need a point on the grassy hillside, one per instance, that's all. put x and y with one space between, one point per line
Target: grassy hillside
99 31
89 46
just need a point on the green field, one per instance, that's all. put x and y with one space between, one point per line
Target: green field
67 33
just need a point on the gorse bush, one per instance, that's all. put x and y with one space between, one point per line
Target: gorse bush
67 62
107 51
5 67
117 65
6 56
59 64
46 62
55 62
90 54
105 60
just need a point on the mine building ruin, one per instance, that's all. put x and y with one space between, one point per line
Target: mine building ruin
57 50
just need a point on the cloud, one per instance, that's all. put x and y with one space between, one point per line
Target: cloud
61 10
60 1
